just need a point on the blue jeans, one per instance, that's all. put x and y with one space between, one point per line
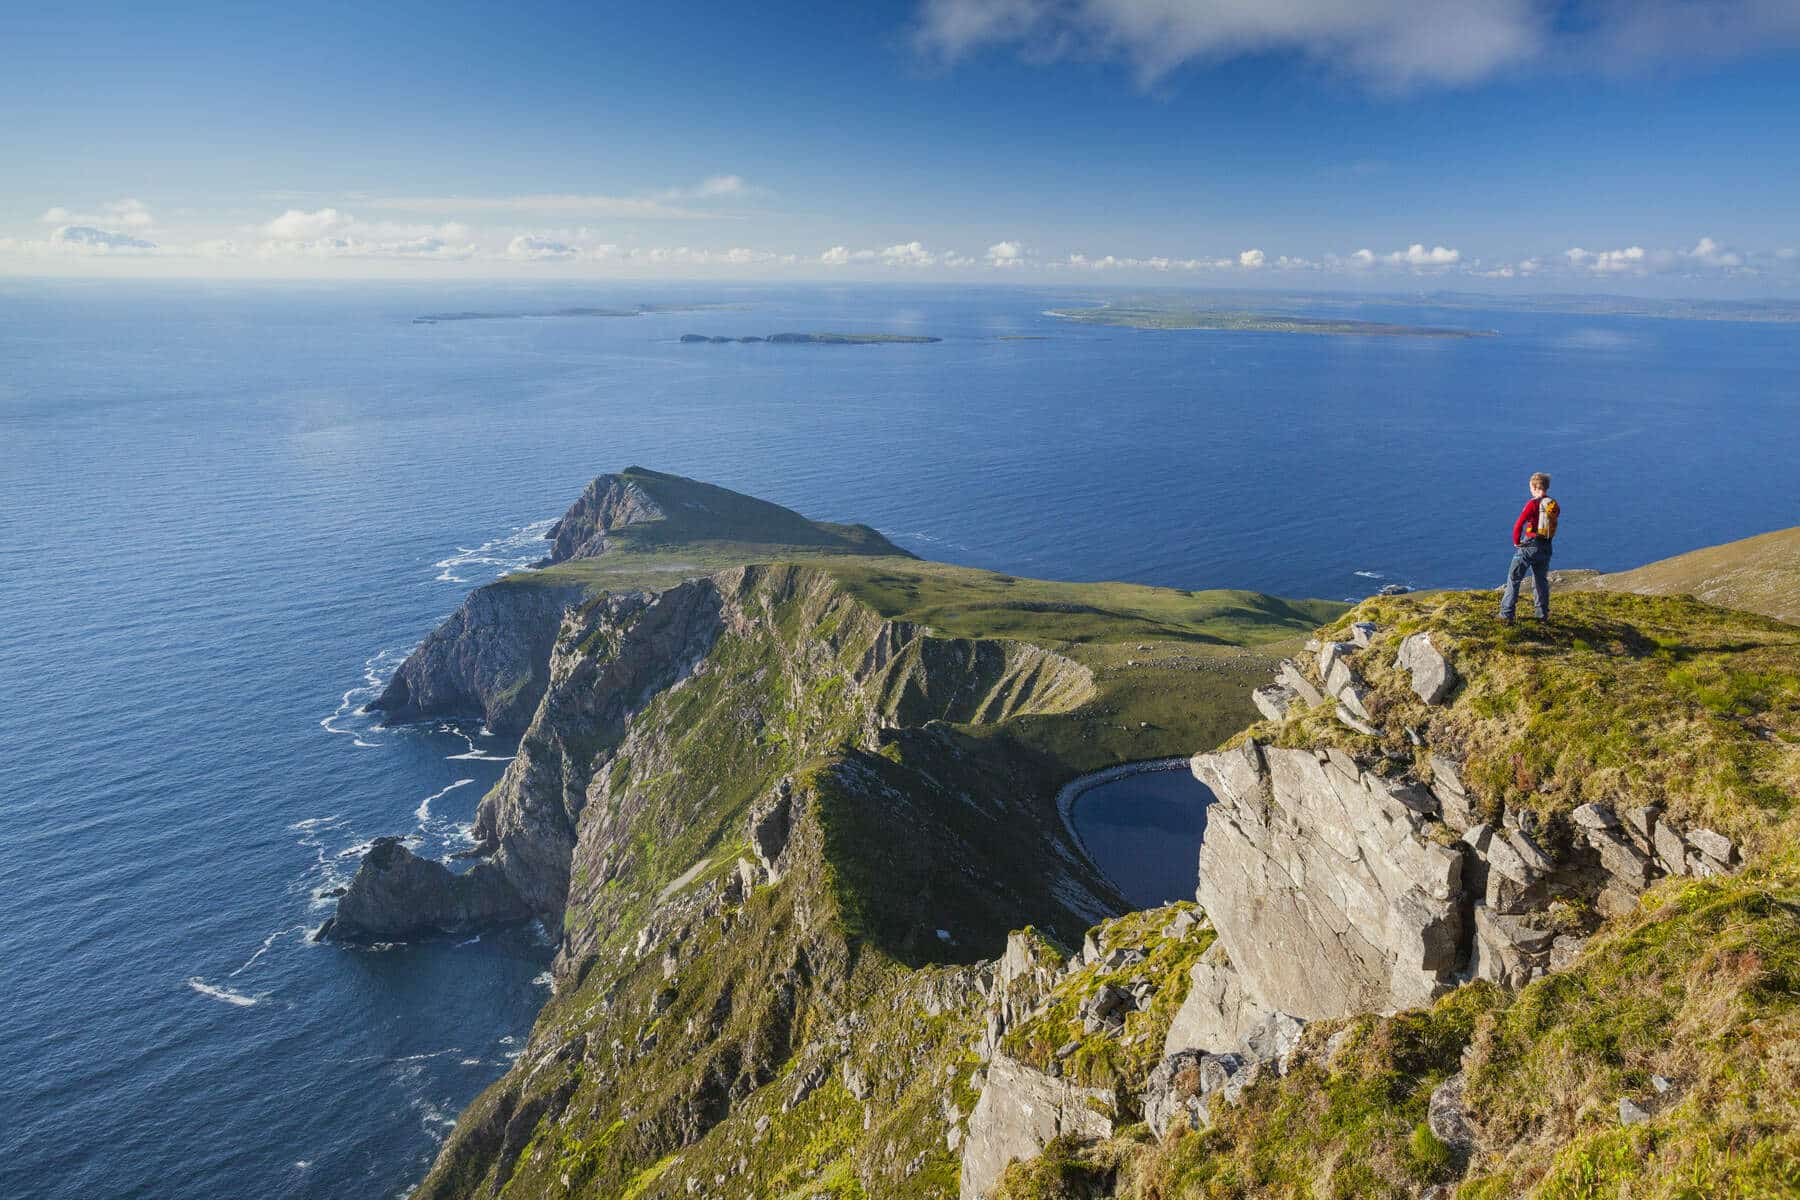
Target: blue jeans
1532 556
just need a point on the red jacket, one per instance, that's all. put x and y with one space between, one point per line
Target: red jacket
1525 528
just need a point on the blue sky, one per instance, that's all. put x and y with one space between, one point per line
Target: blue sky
1601 145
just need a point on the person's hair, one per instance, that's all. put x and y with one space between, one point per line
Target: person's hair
1541 480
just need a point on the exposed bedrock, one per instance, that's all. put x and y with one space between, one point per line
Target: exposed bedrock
608 503
397 896
1327 895
489 659
1021 1109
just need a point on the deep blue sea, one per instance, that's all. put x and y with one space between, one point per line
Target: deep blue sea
227 511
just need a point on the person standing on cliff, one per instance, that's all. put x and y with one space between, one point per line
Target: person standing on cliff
1532 534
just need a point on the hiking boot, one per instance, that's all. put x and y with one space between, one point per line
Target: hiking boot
1506 620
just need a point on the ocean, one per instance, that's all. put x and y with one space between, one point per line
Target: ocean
227 511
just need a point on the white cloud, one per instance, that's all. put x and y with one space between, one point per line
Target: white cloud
1250 260
1709 253
329 233
721 185
1389 44
132 214
1416 255
530 248
837 256
908 254
1005 254
666 205
90 239
1608 262
297 226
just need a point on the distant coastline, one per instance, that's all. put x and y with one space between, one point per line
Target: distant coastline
813 339
1148 317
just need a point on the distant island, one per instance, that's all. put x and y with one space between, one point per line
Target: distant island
819 339
1153 317
640 311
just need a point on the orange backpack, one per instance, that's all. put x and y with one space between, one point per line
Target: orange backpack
1547 512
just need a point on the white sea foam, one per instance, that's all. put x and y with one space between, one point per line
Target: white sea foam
1371 574
469 1062
478 756
509 552
543 980
423 812
347 718
225 994
264 948
432 1054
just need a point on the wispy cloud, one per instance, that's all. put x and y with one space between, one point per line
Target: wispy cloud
669 204
329 233
1389 44
89 239
130 213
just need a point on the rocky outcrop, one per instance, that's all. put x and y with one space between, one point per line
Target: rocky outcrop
489 660
1183 1088
610 502
397 896
1021 1109
1327 894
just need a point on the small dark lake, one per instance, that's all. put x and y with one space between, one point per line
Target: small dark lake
1144 832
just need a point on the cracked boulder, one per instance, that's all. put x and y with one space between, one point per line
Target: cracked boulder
1433 678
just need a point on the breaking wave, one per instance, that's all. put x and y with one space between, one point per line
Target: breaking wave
224 994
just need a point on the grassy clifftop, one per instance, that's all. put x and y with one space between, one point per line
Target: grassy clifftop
1622 699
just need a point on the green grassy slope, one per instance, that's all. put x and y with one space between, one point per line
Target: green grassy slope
1758 574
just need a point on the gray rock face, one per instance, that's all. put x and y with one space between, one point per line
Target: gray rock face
1509 949
1216 1014
1327 895
397 896
608 503
1432 675
489 659
640 645
1021 1109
